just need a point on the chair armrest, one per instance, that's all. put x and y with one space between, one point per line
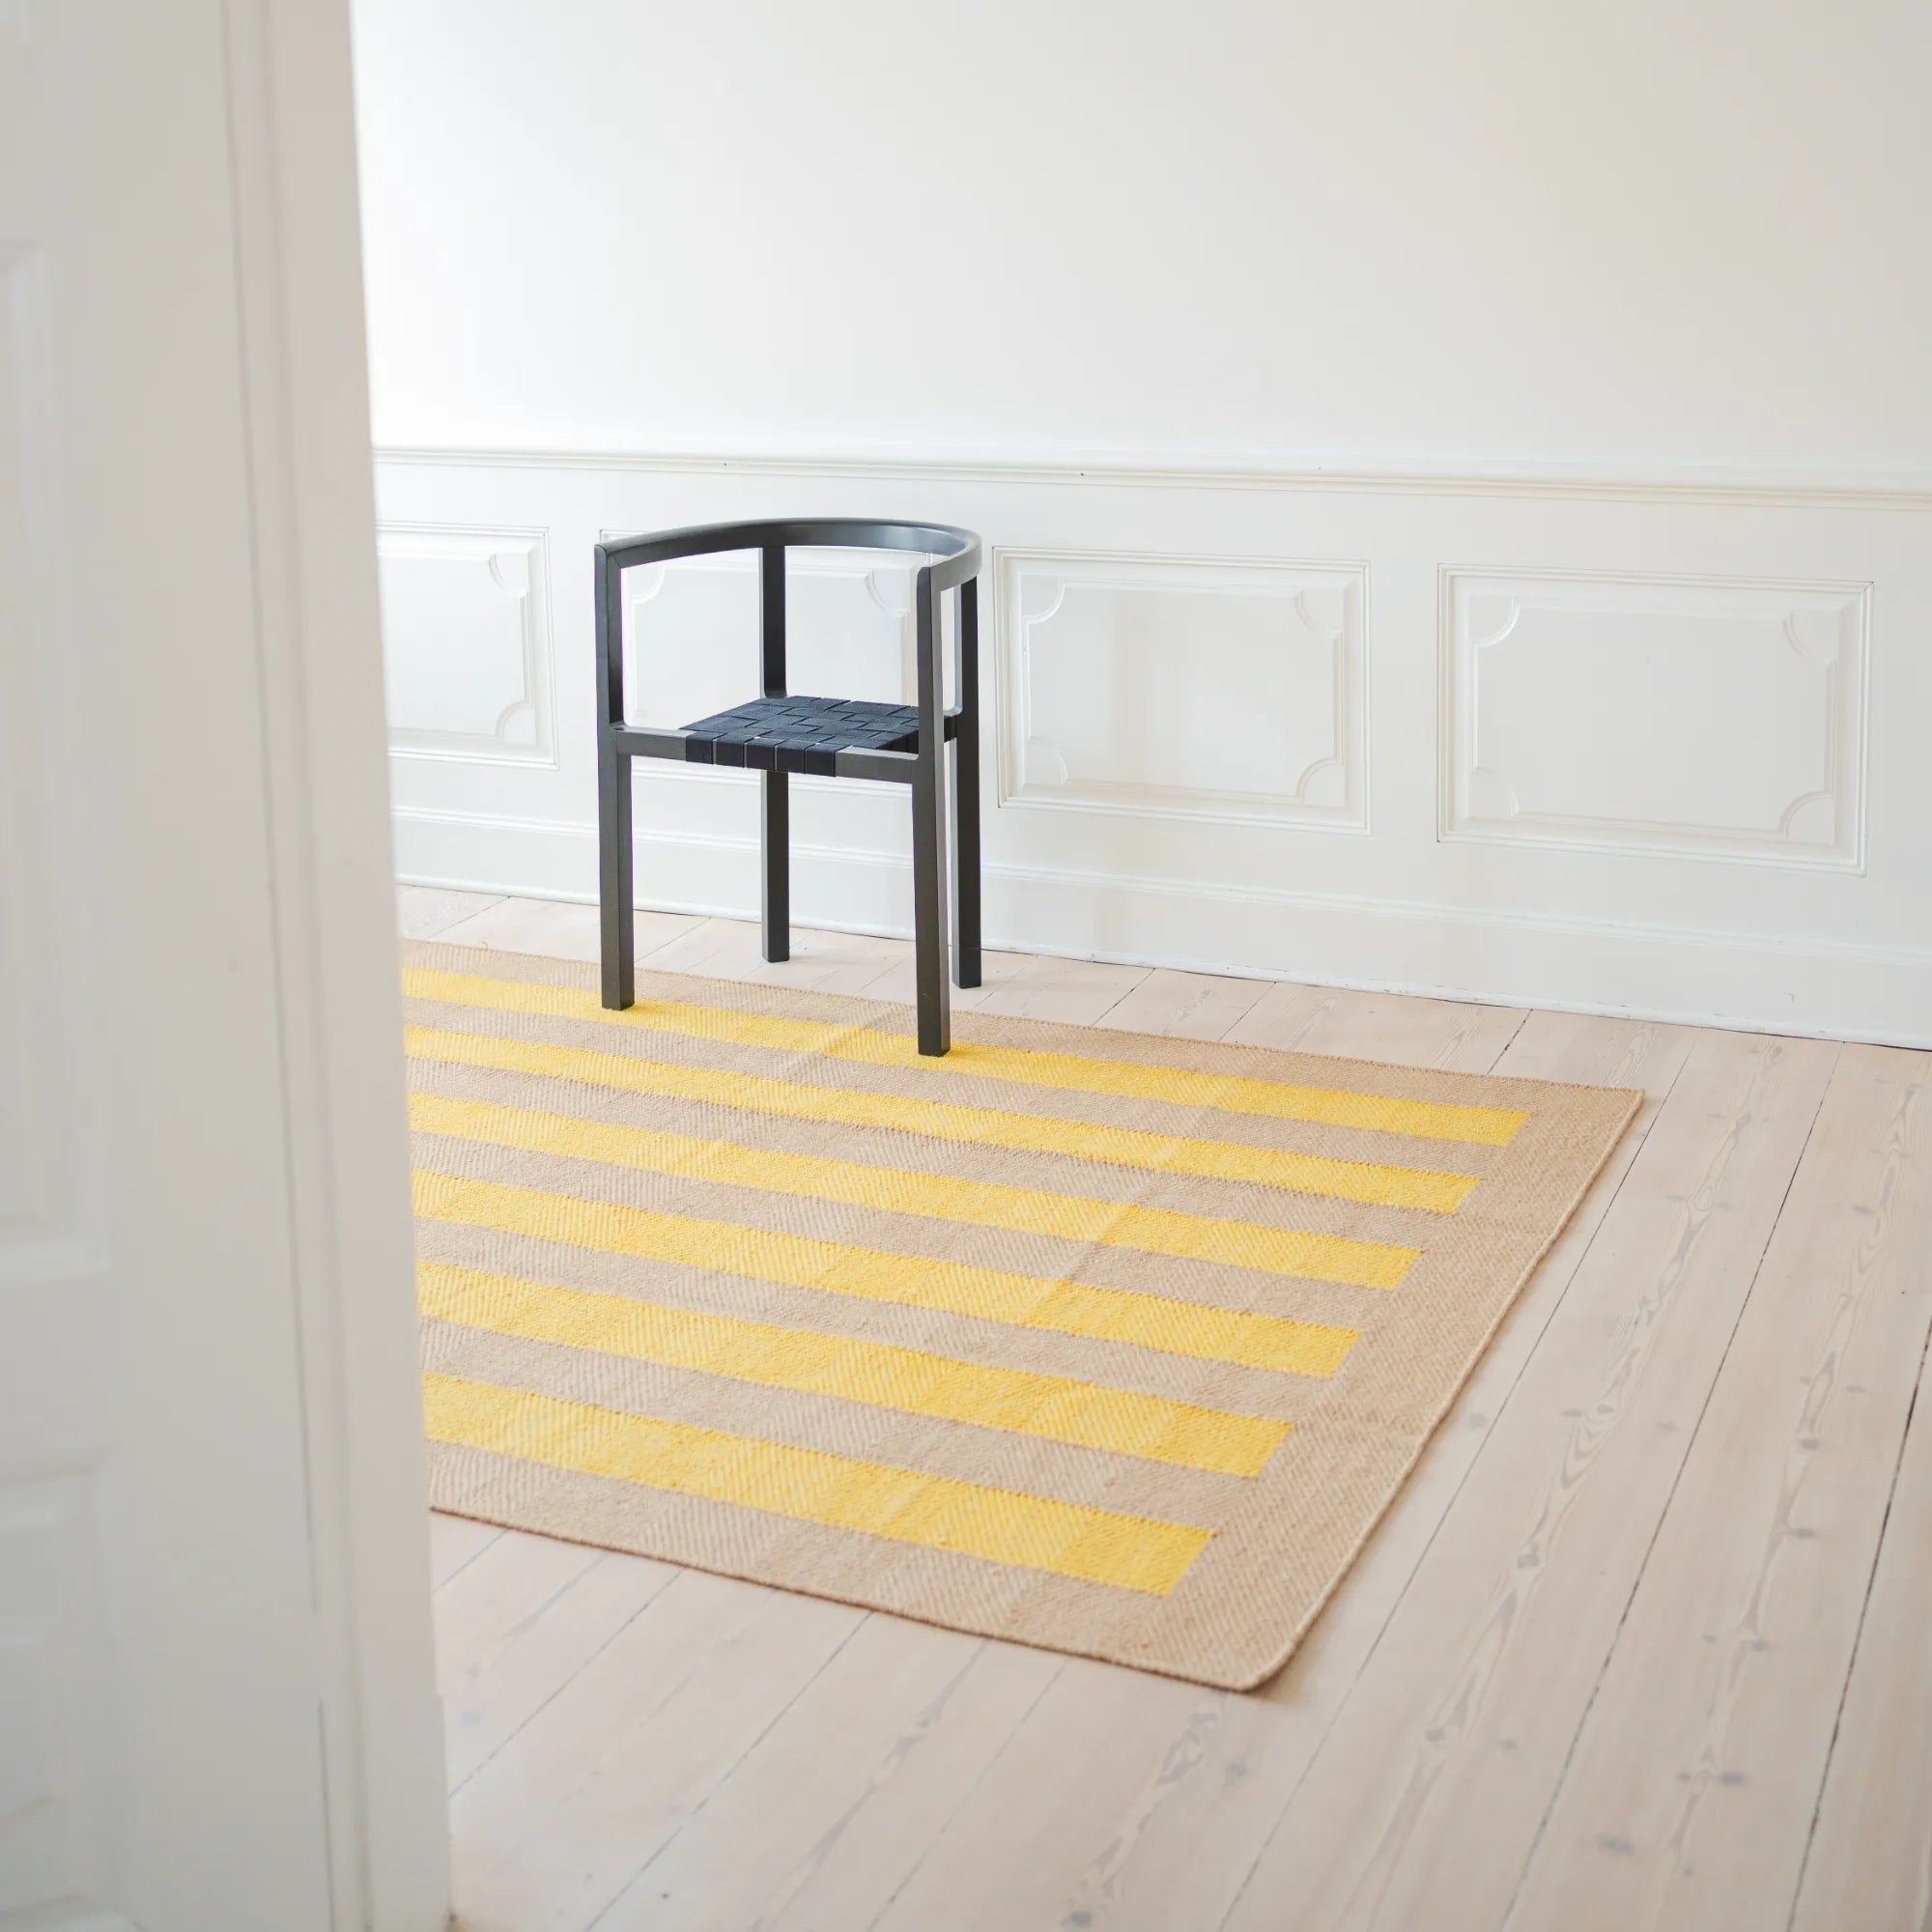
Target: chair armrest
699 540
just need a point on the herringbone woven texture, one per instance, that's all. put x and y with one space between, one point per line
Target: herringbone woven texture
1114 1344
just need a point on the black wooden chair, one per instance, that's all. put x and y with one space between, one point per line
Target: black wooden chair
779 734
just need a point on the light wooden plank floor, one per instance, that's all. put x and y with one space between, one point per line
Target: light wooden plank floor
1644 1642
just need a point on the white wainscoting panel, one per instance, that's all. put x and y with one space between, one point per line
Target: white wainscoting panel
57 1664
26 1176
47 1224
1712 719
1196 687
49 1644
1660 748
467 642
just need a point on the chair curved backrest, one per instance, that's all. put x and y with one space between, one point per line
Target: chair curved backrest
955 552
955 566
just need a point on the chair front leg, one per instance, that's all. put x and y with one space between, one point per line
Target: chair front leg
928 904
777 904
616 877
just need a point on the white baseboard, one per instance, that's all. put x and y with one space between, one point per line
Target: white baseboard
1505 959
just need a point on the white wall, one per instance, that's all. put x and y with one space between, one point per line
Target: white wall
1462 479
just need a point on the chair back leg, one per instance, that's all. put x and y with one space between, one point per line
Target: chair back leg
777 898
929 831
616 878
966 796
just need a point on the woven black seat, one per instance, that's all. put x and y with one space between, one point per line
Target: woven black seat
803 734
777 733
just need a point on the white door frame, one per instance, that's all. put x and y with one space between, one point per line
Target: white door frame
217 1686
298 250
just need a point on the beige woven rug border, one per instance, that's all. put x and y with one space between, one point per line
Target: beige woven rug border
1283 1540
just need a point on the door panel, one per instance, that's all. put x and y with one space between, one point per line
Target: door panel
176 1726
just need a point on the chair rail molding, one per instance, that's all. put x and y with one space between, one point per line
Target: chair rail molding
1808 488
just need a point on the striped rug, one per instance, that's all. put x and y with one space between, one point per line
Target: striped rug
1110 1343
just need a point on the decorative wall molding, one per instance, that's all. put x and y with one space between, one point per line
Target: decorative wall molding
1185 687
55 1658
468 642
49 1226
1905 490
23 1169
51 1658
1702 717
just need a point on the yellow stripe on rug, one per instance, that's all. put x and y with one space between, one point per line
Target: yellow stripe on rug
1056 1407
1367 1181
1096 1545
1156 1322
1122 1079
1024 1210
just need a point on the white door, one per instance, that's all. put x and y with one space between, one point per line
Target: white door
216 1705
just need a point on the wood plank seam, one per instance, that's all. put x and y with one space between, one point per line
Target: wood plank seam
1657 1528
465 1563
563 1683
860 1620
938 1837
1913 1417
